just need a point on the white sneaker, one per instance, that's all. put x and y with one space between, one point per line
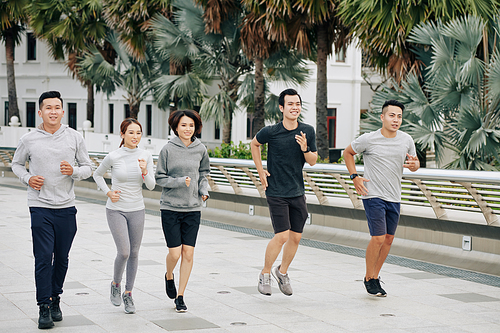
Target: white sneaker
283 281
115 295
264 286
128 302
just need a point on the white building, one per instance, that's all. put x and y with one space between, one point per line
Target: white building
37 72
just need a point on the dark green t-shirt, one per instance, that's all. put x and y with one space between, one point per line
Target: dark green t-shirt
285 159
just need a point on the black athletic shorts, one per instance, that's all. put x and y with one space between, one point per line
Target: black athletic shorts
180 227
288 213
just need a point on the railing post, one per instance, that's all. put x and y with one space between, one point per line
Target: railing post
436 206
212 184
234 184
488 213
321 197
255 181
356 202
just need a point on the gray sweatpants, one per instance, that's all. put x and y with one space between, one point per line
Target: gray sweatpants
127 229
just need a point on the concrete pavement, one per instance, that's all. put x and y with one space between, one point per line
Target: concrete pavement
222 296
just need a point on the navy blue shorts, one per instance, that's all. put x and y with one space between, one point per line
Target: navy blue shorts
180 227
382 216
288 213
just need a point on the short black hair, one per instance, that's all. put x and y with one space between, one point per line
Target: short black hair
175 117
392 102
289 92
49 94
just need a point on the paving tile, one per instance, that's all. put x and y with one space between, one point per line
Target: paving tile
73 285
422 275
471 297
148 262
154 244
187 323
70 321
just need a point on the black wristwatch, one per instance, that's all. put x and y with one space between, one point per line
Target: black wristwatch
354 175
308 150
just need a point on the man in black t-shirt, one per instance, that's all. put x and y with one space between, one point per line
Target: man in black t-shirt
290 145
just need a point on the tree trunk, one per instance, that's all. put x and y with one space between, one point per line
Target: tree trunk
228 125
134 109
226 130
90 102
322 93
11 78
259 111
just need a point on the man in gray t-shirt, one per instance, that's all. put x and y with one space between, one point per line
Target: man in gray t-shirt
385 153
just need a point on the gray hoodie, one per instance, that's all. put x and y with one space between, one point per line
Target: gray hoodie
45 152
175 163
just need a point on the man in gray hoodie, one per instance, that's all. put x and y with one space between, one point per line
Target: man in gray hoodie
57 157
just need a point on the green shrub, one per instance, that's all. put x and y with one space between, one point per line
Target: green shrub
240 151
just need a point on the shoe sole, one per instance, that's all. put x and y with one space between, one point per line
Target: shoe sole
265 294
374 295
279 284
57 319
179 310
49 325
129 312
115 303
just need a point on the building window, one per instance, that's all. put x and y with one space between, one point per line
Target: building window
6 114
127 111
149 119
331 119
217 132
340 55
72 115
31 41
250 123
111 109
30 114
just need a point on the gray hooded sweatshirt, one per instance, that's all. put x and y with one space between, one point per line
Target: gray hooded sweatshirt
45 152
175 163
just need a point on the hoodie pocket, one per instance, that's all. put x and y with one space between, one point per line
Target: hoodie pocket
181 197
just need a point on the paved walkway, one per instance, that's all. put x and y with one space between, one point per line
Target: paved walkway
222 294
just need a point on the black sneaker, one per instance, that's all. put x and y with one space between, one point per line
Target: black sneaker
55 309
180 306
372 287
382 291
45 319
170 287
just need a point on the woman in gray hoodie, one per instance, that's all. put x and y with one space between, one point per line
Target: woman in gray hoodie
181 170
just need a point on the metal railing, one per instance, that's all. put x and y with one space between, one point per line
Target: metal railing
476 191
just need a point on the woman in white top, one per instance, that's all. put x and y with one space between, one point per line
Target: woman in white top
130 168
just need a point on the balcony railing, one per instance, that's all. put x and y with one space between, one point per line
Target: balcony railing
442 190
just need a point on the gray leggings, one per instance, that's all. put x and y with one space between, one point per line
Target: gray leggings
127 229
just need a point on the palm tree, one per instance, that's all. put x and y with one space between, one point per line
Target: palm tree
284 66
204 55
70 28
257 46
132 20
382 27
219 55
311 27
133 76
12 24
458 108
